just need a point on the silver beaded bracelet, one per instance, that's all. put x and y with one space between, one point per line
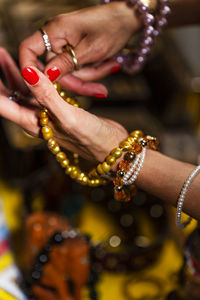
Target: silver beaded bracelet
181 199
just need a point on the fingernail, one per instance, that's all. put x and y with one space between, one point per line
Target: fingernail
99 96
53 73
30 76
115 69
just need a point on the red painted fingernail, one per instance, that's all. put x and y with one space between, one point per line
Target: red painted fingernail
99 96
115 69
30 76
53 73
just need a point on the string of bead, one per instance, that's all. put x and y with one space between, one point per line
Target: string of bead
135 174
95 177
133 61
181 199
130 167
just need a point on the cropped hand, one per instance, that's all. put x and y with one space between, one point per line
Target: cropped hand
96 33
74 129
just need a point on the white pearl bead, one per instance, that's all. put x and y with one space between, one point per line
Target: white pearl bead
182 198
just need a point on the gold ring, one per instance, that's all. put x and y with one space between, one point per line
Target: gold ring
70 49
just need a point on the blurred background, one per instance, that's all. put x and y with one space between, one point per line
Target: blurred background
164 101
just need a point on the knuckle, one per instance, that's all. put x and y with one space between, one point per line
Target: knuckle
29 121
2 51
59 18
67 61
45 95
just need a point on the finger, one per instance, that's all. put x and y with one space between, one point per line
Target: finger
63 63
34 46
30 49
22 116
97 72
44 92
4 90
76 85
11 72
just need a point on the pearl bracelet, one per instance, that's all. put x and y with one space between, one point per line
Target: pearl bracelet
181 199
135 171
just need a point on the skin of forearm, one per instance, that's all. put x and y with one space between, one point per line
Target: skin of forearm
164 177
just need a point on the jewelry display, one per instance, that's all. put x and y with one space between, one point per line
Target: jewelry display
133 61
182 198
46 40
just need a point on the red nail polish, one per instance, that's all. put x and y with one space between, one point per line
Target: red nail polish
99 96
115 69
30 75
53 73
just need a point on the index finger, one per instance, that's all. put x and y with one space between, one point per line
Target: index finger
30 49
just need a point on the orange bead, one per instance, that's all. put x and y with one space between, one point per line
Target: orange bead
124 165
153 143
137 148
117 181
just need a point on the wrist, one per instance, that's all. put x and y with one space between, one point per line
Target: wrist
127 16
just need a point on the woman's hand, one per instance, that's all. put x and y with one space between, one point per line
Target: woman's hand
96 33
74 128
18 110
